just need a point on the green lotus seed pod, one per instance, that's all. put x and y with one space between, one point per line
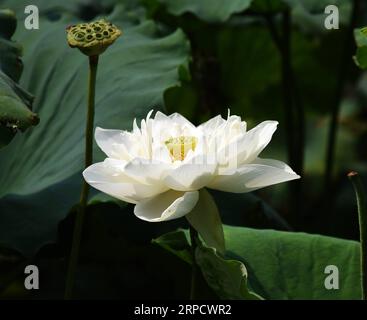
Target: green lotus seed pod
8 23
92 38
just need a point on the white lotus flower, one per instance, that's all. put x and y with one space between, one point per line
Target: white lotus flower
162 165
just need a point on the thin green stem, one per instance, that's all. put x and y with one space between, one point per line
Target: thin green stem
293 108
283 45
74 255
285 53
345 64
362 218
195 270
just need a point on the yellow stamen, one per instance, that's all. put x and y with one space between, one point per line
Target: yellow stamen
180 146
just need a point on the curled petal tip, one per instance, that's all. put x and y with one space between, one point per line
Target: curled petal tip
352 174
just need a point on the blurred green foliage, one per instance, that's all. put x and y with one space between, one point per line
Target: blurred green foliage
292 266
54 152
198 60
15 102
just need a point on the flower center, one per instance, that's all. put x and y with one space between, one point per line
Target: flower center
180 146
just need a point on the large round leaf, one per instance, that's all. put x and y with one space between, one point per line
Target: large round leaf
15 102
207 10
361 40
132 77
310 16
284 265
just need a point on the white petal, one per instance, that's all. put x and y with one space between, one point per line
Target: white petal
109 177
112 142
212 124
235 128
166 206
165 127
259 174
146 170
160 153
191 176
246 147
180 119
255 141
